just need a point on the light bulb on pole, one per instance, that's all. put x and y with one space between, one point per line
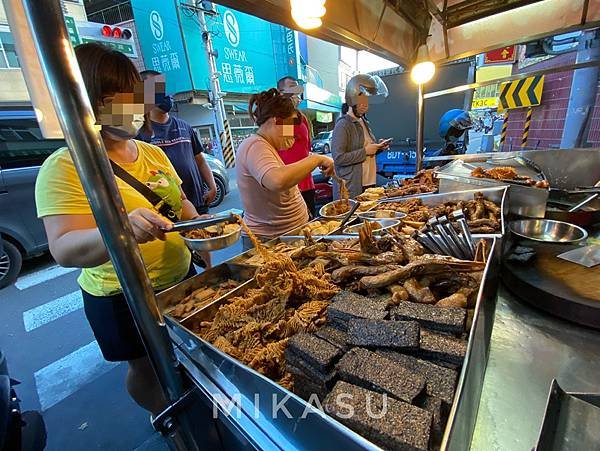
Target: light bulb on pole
308 13
424 69
421 73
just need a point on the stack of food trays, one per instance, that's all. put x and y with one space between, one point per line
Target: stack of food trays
318 309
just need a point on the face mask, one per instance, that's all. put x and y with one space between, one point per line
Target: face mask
166 104
125 131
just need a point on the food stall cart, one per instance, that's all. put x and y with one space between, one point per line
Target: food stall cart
212 395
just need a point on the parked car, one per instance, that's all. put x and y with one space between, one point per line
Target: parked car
22 151
322 142
221 178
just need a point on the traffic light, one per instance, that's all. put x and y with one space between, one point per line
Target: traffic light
116 32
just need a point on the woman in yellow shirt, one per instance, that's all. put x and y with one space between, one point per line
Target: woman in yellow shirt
116 93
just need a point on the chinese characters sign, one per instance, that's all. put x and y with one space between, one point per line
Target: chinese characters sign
161 41
248 49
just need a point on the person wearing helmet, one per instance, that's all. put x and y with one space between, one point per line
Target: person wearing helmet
353 145
453 125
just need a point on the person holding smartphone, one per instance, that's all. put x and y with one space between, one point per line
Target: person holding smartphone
353 145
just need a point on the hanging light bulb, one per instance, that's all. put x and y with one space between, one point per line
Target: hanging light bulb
308 13
424 69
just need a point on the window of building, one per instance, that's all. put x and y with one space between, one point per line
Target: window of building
8 54
22 144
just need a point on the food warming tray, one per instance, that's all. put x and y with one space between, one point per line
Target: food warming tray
211 277
317 430
497 194
523 200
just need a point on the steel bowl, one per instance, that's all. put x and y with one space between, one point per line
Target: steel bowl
324 208
384 223
548 231
213 244
376 215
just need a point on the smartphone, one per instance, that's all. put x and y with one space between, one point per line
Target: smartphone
387 141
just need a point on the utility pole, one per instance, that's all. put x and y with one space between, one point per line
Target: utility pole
215 95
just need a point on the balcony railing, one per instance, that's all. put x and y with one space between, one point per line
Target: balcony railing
113 14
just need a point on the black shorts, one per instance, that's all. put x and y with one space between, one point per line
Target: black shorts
203 210
113 325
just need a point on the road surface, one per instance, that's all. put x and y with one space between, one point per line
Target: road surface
50 348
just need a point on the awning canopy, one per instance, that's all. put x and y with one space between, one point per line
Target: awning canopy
394 29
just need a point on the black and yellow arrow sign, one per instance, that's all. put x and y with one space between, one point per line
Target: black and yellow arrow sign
521 93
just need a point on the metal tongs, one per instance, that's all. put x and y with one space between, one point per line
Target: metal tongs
440 237
206 221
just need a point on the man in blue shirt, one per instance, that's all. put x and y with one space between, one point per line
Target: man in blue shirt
181 144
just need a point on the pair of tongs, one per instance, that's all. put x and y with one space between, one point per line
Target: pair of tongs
206 221
440 237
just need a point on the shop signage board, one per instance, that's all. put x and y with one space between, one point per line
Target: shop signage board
250 55
157 25
285 51
522 93
501 56
484 103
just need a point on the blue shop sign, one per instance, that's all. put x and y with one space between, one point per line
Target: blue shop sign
160 37
252 53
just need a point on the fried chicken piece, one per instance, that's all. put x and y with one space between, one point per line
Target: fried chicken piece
454 300
417 293
399 294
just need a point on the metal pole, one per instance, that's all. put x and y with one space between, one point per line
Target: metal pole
420 127
215 93
504 131
526 127
42 22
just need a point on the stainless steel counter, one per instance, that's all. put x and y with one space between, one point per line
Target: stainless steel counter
529 348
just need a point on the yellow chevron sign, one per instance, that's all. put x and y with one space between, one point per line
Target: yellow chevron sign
521 93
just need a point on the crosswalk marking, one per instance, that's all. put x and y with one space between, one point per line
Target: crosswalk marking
50 311
38 277
64 377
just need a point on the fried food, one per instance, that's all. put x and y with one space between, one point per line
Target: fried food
321 227
212 231
337 208
424 181
483 215
507 173
254 327
200 298
371 194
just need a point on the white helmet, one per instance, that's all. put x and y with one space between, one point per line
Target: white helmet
365 84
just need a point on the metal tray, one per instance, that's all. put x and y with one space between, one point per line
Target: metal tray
209 278
297 232
523 200
497 194
300 430
571 421
241 259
